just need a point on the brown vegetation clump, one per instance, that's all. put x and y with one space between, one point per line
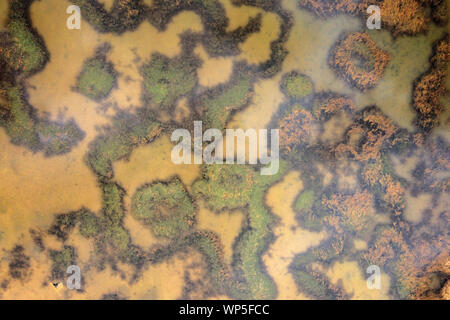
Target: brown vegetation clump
431 87
352 210
421 268
374 132
387 188
399 16
329 8
431 172
295 129
357 59
332 104
434 282
382 251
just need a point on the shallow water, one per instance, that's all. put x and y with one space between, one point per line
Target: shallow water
34 188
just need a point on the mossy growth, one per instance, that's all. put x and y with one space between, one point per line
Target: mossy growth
226 187
310 213
22 53
216 40
123 16
112 195
27 43
232 187
219 103
61 260
26 129
305 201
119 238
97 78
20 125
296 86
165 208
63 225
118 140
89 226
310 281
58 137
166 80
311 285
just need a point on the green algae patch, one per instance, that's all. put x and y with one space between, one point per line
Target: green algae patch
61 260
226 187
296 85
219 103
123 16
118 140
165 208
216 39
89 226
112 196
22 53
33 54
240 186
311 281
20 126
305 201
58 138
166 80
97 78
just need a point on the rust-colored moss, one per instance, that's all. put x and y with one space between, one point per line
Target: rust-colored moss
358 60
295 129
350 211
430 88
373 131
330 104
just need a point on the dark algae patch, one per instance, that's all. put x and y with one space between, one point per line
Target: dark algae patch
296 86
19 265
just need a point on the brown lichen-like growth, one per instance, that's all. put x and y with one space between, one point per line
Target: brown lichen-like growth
431 87
328 105
357 59
329 8
399 16
417 278
385 186
295 129
373 132
352 211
